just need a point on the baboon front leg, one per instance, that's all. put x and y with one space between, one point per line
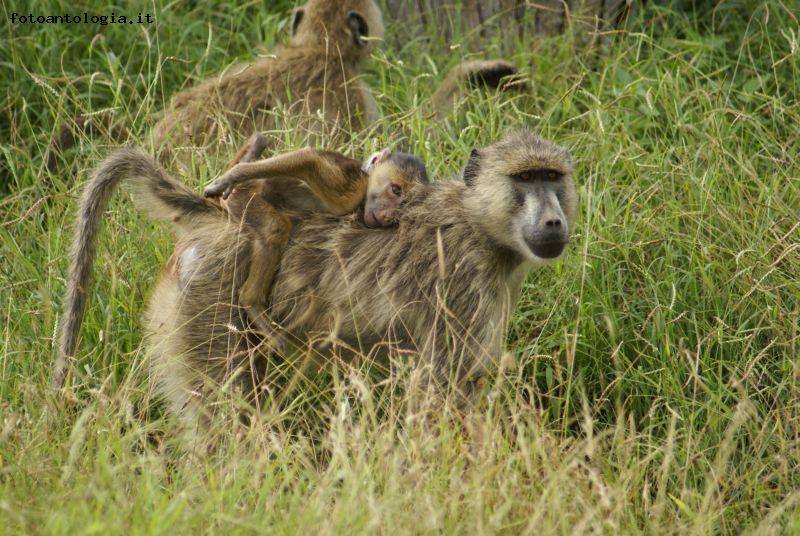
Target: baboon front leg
495 74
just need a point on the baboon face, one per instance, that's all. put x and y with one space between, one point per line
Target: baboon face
355 26
391 177
541 221
521 188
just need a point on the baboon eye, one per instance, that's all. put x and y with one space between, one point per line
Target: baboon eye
537 174
396 190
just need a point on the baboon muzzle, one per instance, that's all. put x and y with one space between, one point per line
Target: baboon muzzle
547 250
548 237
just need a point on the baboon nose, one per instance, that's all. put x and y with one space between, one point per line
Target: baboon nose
369 219
554 223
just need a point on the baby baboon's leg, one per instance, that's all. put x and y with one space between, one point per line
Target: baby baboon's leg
269 230
270 233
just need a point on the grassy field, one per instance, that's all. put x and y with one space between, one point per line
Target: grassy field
652 382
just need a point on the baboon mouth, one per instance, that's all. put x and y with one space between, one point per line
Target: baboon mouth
547 250
370 220
376 218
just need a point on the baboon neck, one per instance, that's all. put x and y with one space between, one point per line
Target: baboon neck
442 205
330 52
509 259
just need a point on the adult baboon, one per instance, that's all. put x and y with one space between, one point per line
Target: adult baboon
442 283
315 78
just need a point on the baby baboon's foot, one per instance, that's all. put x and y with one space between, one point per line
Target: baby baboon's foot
255 146
268 329
251 152
277 343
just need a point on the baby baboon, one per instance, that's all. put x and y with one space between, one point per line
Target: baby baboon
392 176
443 282
340 184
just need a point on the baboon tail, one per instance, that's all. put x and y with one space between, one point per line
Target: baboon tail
162 197
492 74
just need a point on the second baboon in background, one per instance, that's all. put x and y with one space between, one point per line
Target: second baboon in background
471 75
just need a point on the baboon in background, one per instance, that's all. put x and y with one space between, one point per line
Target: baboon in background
315 80
317 72
470 75
443 282
316 77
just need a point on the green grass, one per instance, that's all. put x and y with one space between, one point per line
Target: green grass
653 376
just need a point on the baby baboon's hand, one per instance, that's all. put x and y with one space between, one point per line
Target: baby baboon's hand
223 186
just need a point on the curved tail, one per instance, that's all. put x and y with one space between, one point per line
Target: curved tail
160 195
492 74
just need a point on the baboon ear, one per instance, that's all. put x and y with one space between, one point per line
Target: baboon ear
472 168
298 17
376 159
359 28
